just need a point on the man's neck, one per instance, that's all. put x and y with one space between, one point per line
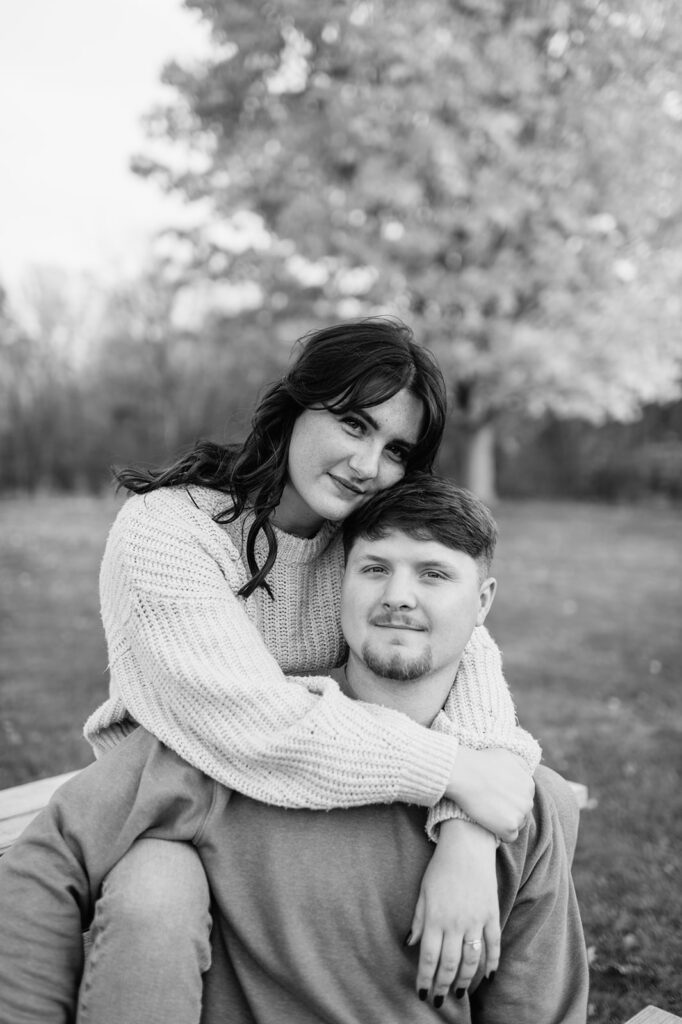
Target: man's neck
421 698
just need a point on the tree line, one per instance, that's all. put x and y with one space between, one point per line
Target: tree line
145 388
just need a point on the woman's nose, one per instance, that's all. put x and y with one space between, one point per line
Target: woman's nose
364 461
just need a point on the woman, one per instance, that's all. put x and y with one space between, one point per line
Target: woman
221 576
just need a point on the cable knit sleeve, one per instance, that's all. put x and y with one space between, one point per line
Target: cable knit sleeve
480 712
188 664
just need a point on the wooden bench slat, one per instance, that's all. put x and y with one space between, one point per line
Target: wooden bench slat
652 1015
20 804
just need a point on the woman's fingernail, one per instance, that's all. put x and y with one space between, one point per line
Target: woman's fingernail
460 992
438 1002
408 938
423 993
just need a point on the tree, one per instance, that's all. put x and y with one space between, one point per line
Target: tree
40 397
503 173
164 372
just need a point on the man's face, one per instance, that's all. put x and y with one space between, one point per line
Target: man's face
408 606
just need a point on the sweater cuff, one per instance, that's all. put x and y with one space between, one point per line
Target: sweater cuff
444 810
427 768
106 737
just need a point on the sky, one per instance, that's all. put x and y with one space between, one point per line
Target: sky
76 77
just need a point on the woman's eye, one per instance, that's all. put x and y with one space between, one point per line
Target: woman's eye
353 424
374 569
397 453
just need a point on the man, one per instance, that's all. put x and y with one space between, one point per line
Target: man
311 908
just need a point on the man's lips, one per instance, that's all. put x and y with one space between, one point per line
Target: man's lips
383 623
347 485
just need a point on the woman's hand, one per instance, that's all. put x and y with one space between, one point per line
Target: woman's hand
494 787
457 906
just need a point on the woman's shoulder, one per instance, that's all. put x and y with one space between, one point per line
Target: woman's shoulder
169 530
174 504
170 515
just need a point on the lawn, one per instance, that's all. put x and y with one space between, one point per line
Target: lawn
52 653
589 616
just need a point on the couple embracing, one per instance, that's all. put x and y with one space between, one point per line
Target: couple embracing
295 626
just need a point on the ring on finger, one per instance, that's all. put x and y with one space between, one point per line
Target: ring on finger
474 943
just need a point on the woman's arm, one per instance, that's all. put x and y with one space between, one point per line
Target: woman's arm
457 903
191 667
458 895
480 713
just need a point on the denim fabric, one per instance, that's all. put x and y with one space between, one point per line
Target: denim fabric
149 939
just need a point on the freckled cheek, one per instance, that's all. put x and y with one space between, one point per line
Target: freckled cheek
339 447
390 474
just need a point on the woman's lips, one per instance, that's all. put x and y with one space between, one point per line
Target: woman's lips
347 485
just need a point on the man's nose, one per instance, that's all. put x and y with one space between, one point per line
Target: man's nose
364 461
399 592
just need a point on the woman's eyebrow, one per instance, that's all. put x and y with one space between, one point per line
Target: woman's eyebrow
369 419
363 414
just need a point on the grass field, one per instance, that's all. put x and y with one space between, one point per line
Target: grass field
589 615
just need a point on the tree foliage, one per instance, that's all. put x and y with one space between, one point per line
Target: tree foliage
503 173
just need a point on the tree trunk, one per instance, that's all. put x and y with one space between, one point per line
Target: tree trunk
479 462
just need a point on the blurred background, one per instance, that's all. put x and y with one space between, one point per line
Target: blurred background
186 190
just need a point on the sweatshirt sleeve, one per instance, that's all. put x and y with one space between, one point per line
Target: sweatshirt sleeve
191 667
480 712
52 875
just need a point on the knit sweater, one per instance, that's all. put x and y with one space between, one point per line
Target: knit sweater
225 681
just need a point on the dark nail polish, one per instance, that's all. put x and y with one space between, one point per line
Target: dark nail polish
491 976
438 1002
423 993
460 992
406 940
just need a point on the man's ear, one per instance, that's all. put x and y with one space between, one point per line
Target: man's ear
486 596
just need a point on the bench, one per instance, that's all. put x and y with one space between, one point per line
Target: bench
652 1015
20 804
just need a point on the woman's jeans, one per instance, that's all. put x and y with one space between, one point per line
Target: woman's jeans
150 939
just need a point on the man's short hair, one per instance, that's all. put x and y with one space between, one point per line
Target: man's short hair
428 507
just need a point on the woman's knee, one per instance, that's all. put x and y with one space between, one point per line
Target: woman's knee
150 937
157 885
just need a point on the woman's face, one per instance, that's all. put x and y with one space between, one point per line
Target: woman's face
337 461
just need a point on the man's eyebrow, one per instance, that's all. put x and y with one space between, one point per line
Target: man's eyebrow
434 563
372 555
376 555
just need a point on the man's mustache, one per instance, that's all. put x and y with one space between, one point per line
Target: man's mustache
397 621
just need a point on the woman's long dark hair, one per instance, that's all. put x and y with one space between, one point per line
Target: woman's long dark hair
349 366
